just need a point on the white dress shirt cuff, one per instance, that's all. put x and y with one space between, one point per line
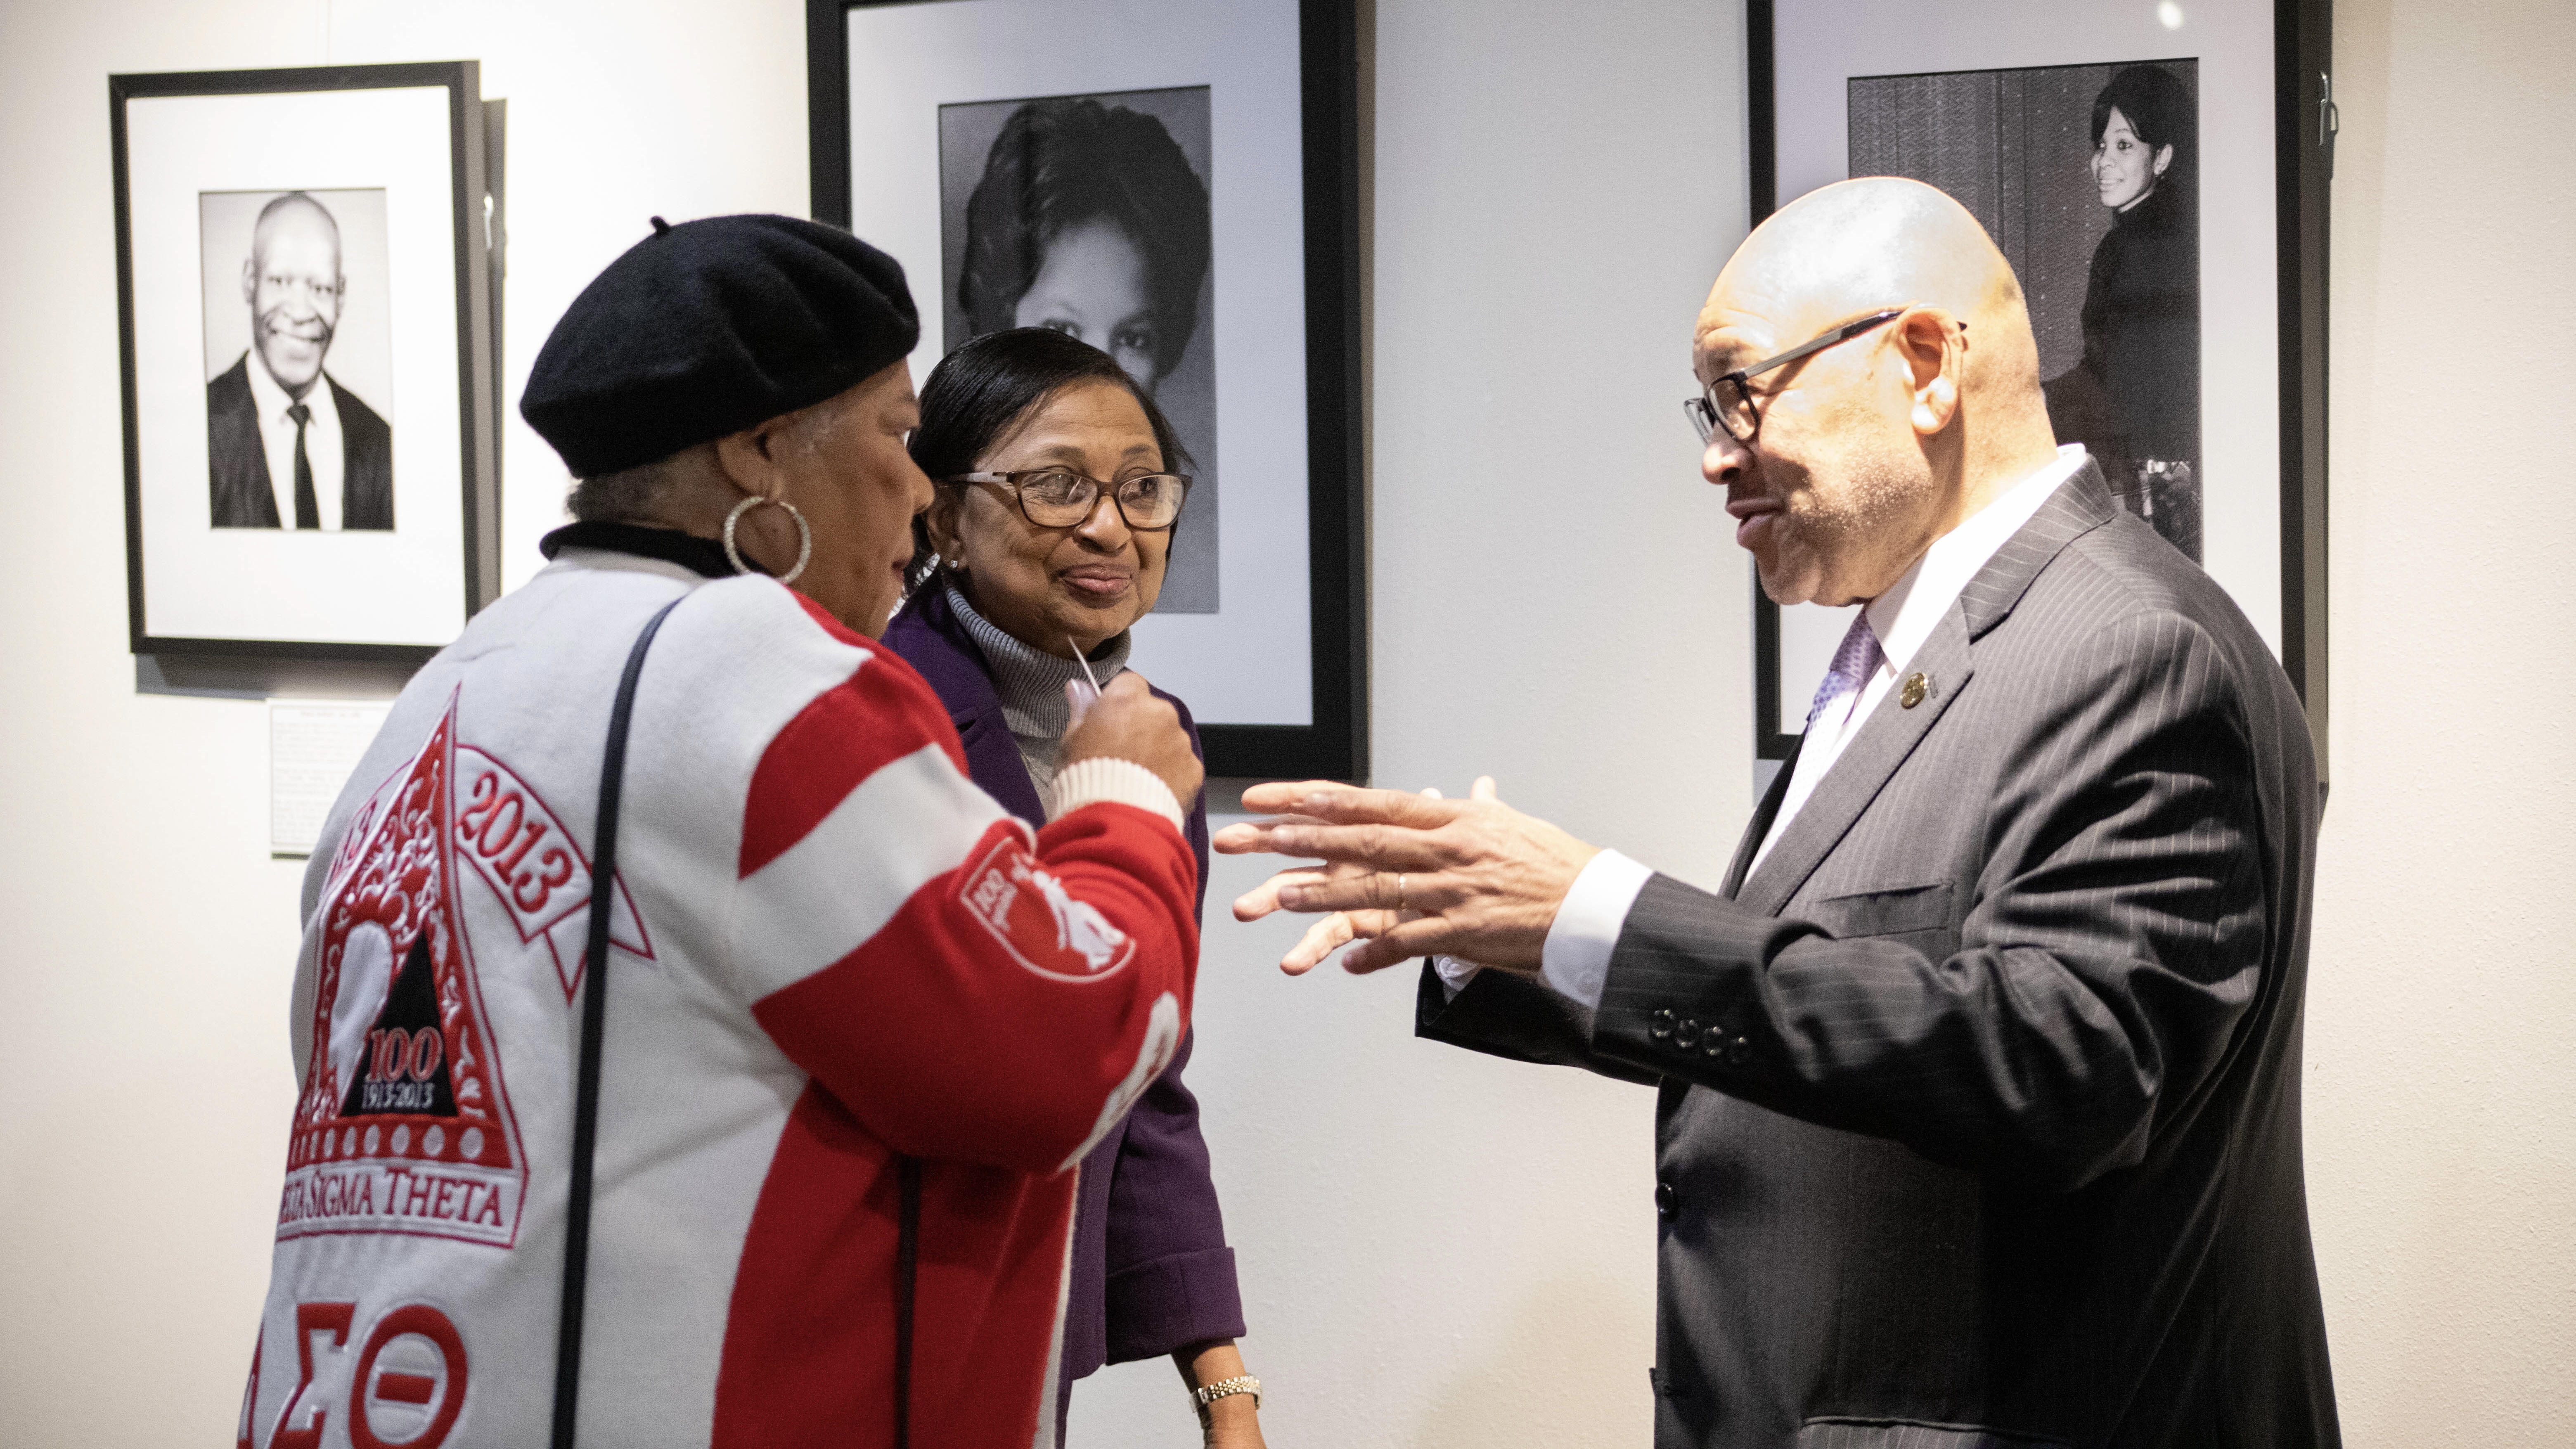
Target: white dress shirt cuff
1576 957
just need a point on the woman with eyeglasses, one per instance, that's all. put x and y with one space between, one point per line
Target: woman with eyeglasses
1090 220
1058 485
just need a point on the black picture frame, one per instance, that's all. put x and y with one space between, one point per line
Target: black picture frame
474 212
2303 133
1335 745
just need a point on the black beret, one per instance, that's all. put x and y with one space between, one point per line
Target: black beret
709 327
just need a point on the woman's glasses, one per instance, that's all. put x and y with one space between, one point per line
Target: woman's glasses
1062 498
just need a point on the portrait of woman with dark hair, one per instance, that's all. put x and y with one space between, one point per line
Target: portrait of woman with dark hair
1089 217
2134 398
1090 222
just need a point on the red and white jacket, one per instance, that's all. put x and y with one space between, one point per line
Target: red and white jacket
831 948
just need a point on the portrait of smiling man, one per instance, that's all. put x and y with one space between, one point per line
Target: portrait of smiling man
287 444
1977 1118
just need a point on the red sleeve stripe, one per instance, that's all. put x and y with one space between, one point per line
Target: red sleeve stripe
915 819
906 1028
882 712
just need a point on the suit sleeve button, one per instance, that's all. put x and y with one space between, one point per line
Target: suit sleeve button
1660 1025
1686 1035
1666 1200
1739 1053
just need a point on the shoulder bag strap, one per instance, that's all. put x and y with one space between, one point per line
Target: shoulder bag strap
594 1020
907 1258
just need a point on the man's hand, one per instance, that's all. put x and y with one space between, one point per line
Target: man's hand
1340 928
1479 880
1129 723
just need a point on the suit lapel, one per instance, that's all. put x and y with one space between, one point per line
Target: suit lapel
929 638
2081 504
1946 663
366 461
993 760
239 460
1763 814
1886 738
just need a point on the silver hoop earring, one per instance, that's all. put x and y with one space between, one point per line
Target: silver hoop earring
804 536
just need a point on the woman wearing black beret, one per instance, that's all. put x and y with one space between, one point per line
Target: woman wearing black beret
864 1020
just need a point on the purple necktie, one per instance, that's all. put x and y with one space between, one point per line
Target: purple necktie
1857 659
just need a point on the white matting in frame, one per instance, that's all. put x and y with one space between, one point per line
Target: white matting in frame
1249 662
399 586
1819 48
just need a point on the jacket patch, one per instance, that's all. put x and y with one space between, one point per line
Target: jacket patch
511 838
403 1123
1037 920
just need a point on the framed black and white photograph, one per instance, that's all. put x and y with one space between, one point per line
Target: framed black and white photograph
2155 176
303 309
1174 183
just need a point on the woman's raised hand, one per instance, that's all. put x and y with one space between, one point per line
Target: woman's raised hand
1130 723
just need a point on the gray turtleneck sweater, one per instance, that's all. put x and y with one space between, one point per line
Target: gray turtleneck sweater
1031 683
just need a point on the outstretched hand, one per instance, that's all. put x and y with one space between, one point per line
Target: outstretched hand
1407 875
1334 931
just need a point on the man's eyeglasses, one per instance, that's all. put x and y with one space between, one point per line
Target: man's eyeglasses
1728 403
1062 498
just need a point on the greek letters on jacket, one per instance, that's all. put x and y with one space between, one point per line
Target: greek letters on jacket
821 926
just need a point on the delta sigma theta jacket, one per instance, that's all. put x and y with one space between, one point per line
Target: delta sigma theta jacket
831 951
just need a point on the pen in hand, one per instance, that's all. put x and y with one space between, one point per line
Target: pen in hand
1084 692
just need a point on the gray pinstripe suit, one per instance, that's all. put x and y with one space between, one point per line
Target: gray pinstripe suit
1979 1112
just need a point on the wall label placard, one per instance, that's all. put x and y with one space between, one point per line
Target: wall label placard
313 744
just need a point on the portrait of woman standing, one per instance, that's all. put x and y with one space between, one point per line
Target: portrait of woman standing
2134 398
1059 484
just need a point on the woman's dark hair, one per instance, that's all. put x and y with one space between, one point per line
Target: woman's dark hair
2159 108
1061 164
980 392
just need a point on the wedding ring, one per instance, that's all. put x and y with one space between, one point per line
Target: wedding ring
1399 890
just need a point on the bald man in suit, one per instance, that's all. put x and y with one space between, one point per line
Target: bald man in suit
1978 1079
285 442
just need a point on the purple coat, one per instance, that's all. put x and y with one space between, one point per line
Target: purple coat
1151 1271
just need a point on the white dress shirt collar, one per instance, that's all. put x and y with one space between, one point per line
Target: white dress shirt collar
1904 616
322 445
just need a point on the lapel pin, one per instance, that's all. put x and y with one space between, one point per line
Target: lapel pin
1916 686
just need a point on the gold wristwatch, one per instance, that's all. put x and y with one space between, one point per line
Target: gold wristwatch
1206 1394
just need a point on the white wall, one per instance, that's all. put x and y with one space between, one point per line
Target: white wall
2441 1079
1438 1249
